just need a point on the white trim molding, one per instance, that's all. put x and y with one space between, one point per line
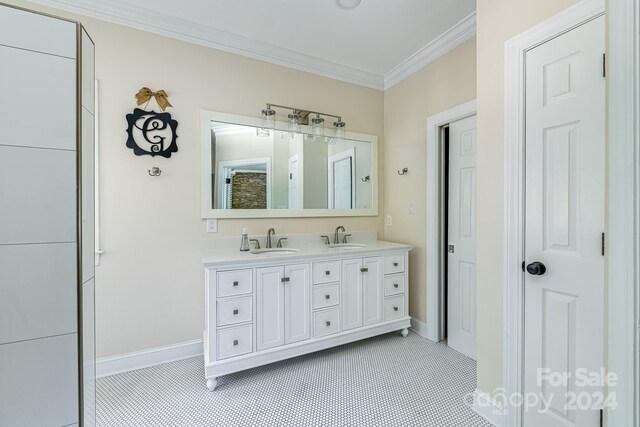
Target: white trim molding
435 221
143 359
513 292
124 13
419 327
445 43
488 408
623 228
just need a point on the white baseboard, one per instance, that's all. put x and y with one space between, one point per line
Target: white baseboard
145 358
419 327
488 408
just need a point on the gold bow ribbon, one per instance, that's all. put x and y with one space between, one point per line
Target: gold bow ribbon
145 94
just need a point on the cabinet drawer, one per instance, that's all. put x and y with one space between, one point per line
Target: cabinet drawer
394 264
394 285
325 296
394 307
326 272
326 322
234 341
234 310
235 282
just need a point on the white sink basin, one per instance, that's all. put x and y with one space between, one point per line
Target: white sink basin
274 251
347 245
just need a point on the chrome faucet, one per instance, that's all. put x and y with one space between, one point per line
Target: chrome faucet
336 238
270 233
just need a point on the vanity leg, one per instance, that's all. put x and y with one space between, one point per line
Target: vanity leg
212 383
404 332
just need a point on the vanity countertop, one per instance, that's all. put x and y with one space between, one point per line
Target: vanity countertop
218 252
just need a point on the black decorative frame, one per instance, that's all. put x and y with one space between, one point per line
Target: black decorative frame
152 122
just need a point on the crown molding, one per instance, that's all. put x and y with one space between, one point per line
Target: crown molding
122 13
445 43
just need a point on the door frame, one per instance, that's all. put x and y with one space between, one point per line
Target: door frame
238 164
514 180
623 227
435 282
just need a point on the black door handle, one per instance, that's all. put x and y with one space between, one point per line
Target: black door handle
536 269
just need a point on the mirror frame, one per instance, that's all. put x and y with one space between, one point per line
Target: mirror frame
206 117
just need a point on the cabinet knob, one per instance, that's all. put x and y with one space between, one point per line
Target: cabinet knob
395 308
235 342
235 311
235 283
395 264
327 297
395 285
328 323
364 270
328 272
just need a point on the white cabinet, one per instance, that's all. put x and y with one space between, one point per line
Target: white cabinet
361 292
283 300
259 311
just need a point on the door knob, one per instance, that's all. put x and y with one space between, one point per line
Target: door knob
536 269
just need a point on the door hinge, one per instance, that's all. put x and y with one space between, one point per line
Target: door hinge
604 65
602 244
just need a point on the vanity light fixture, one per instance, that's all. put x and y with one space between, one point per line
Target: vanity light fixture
299 117
268 122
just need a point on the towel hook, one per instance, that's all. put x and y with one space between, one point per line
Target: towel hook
365 179
403 171
154 171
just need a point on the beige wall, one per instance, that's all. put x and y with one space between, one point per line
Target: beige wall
150 284
447 82
498 21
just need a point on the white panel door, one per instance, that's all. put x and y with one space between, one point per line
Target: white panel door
270 307
565 153
297 302
342 184
294 183
351 294
461 261
372 290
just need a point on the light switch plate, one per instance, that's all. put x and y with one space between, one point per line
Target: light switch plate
212 225
412 208
389 221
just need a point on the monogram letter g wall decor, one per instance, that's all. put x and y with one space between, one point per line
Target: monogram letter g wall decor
150 132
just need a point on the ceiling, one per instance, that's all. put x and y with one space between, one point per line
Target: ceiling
376 44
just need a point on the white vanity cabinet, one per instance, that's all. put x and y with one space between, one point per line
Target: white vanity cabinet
261 310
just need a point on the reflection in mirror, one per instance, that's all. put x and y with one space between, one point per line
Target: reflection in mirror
287 171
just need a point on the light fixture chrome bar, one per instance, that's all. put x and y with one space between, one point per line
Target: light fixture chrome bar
300 110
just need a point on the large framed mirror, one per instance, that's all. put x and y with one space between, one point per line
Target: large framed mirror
248 172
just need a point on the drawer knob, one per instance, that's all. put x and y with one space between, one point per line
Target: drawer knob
327 297
235 311
235 283
235 342
328 272
395 308
395 264
395 285
364 269
328 323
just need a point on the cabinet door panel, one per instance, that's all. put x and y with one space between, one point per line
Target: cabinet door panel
270 307
297 303
351 294
372 290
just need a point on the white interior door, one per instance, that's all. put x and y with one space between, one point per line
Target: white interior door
461 261
342 183
293 183
565 153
